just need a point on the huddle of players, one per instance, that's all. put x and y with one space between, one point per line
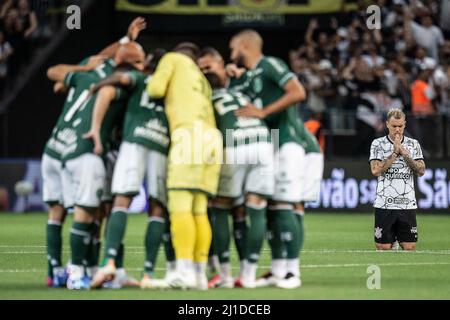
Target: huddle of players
108 93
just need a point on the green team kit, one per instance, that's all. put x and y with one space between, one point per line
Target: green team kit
145 120
264 85
237 131
247 144
145 143
76 98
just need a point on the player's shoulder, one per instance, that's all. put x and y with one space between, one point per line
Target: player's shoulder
272 62
176 57
409 140
380 141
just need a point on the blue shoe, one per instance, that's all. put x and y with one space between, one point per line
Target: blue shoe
60 276
77 280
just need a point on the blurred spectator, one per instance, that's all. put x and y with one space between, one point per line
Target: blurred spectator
27 18
314 125
445 17
426 34
422 93
5 53
368 114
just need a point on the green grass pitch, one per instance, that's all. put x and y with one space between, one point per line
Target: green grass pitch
337 252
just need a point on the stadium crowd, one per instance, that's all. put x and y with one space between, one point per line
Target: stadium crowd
348 68
25 25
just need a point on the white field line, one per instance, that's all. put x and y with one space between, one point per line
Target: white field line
320 251
305 266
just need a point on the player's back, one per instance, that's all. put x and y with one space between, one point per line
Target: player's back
186 90
237 130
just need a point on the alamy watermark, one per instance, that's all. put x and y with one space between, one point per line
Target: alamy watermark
374 280
73 21
200 144
373 21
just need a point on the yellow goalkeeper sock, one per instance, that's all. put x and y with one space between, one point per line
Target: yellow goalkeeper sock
203 238
203 228
182 225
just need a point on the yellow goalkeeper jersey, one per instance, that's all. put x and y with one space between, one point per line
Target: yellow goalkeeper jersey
187 92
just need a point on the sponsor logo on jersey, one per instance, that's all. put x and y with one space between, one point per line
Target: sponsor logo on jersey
394 173
378 233
397 200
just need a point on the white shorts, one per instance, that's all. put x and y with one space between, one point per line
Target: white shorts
289 170
312 178
247 169
134 163
52 185
111 159
84 181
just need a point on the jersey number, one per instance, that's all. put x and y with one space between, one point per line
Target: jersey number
145 101
80 102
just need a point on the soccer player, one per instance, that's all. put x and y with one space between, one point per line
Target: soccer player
275 90
247 169
53 179
394 159
51 168
143 152
82 167
194 160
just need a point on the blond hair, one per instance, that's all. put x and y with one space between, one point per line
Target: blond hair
395 113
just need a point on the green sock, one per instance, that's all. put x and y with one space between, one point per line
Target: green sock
115 233
92 255
275 243
155 230
289 231
256 231
301 237
54 245
240 236
79 242
167 240
120 256
221 233
212 221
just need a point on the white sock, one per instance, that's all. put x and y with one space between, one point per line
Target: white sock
278 268
250 271
225 270
214 263
171 266
200 267
184 265
293 266
241 267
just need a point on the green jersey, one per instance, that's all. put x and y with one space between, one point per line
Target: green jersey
237 130
264 85
54 147
77 120
145 120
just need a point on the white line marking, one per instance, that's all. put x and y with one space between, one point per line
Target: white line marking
320 251
306 266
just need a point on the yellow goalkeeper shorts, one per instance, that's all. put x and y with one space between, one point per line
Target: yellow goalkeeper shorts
195 159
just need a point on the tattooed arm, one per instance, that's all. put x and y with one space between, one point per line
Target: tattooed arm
415 165
379 167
